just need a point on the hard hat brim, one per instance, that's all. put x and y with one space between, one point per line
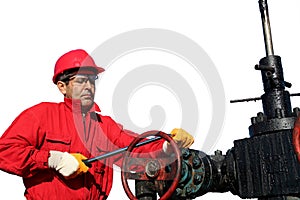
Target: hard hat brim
80 70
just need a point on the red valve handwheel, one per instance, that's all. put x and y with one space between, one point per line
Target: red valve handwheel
296 138
161 175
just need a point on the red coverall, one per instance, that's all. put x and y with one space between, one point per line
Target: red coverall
25 145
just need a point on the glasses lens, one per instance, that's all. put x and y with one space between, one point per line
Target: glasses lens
93 77
81 79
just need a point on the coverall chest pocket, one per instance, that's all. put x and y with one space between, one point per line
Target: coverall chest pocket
58 142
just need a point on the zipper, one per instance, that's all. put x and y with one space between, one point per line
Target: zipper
84 126
85 138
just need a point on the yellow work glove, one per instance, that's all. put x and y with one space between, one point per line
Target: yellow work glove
82 168
69 165
182 138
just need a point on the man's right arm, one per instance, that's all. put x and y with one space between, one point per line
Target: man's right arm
19 153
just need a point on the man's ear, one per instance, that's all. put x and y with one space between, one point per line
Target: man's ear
62 87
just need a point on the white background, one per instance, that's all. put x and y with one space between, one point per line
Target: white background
35 33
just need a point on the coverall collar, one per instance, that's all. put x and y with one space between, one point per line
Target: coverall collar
75 105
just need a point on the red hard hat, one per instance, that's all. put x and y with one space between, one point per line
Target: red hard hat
74 59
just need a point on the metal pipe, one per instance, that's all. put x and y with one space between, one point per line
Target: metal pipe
263 7
118 151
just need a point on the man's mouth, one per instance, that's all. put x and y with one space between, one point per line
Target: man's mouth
86 96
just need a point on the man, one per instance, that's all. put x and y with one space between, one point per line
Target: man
47 142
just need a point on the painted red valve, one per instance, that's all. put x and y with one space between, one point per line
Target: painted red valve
154 169
296 138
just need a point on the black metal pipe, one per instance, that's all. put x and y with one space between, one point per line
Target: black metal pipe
118 151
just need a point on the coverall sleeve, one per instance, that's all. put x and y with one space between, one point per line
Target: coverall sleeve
19 146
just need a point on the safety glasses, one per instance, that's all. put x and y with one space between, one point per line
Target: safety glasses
82 79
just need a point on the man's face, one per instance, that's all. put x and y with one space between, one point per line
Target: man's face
81 87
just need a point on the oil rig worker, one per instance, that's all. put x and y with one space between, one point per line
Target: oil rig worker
47 143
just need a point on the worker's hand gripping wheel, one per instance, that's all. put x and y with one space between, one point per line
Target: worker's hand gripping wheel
156 169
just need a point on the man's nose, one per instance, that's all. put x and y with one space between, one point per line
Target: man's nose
88 84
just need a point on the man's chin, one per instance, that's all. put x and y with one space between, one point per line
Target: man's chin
87 103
